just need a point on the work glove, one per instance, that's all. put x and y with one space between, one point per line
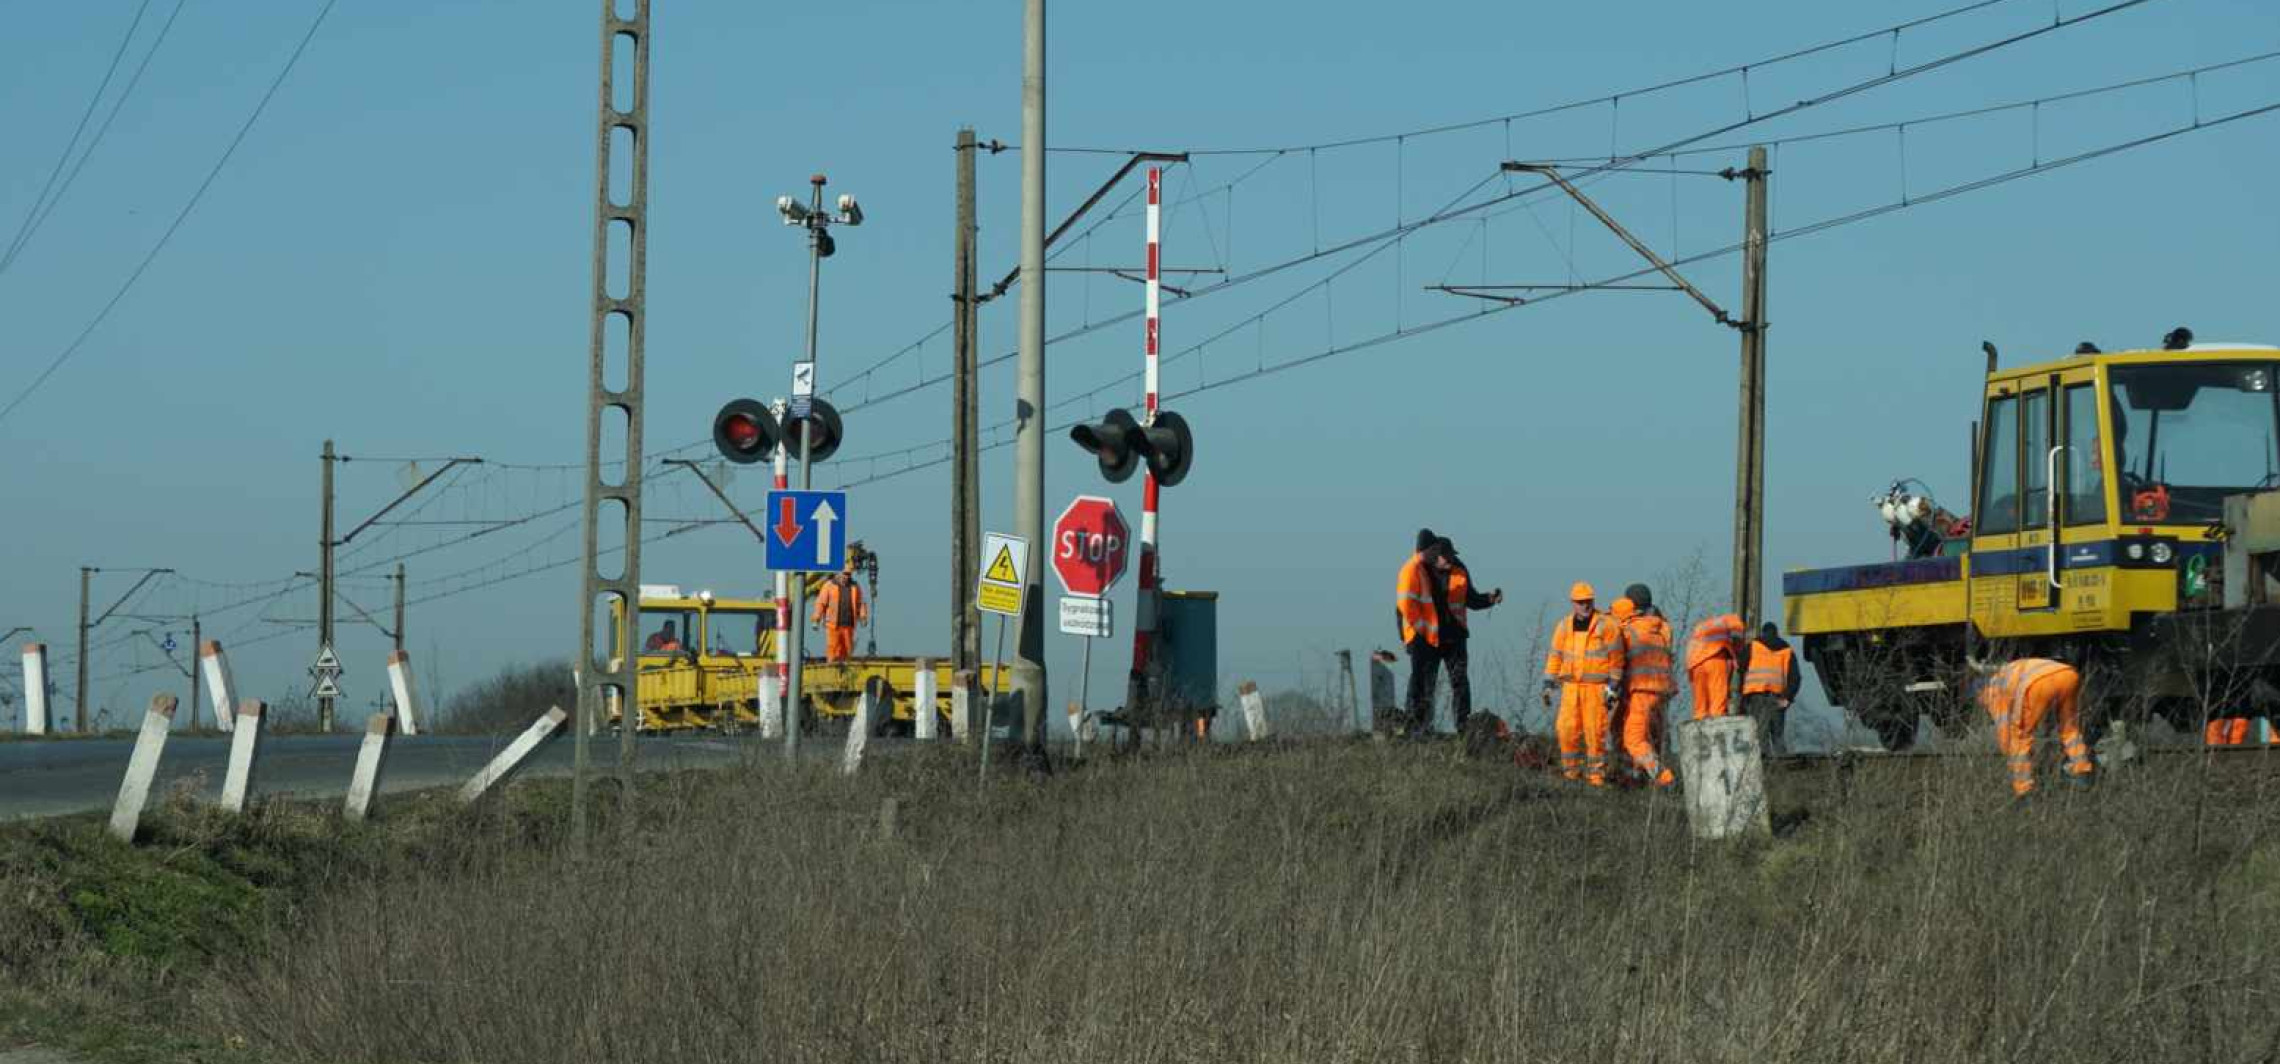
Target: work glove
1496 597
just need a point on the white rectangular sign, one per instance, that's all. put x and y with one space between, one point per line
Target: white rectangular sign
1723 765
1087 617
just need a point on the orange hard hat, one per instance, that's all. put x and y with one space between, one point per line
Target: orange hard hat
1623 608
1581 592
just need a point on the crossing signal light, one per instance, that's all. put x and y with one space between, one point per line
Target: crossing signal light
824 430
1120 444
1115 442
745 432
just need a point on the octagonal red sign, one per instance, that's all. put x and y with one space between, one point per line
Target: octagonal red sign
1090 542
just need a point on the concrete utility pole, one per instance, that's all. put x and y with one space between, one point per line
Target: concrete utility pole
1749 462
197 640
325 584
965 418
399 629
614 672
1029 408
85 576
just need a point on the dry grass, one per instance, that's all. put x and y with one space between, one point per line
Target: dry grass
1329 903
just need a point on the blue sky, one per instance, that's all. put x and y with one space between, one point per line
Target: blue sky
396 258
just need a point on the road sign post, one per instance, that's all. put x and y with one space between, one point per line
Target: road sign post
998 589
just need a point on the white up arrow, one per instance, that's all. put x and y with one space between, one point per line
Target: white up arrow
824 516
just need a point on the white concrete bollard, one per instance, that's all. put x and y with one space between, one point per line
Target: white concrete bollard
1254 712
1384 703
1723 766
964 712
142 767
35 689
239 781
1077 725
926 722
771 706
408 710
221 687
859 729
369 756
512 757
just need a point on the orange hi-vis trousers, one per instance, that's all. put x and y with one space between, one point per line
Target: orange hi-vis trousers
1642 735
2227 731
1582 727
2060 691
1713 687
838 643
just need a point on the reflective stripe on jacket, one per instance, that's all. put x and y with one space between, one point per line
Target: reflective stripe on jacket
2005 693
1769 670
1591 656
1413 600
1646 655
1718 635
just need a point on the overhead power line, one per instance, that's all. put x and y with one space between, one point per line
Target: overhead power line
44 212
94 100
167 237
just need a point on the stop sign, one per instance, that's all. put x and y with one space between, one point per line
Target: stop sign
1090 540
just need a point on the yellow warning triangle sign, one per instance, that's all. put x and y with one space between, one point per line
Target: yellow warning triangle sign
1001 571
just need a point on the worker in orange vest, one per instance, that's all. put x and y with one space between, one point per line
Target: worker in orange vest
2226 731
2020 696
839 608
1648 682
1711 654
1584 670
1770 686
1419 604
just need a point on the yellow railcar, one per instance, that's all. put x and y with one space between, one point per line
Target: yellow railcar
2096 536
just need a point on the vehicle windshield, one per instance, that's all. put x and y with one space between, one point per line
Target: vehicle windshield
2189 435
667 631
738 631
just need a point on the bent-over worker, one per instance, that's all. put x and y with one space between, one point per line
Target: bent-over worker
1711 654
2020 696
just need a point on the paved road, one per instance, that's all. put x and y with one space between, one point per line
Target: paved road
41 779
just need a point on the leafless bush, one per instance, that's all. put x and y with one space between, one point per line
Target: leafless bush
510 700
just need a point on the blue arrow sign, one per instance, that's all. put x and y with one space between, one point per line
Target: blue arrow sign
807 531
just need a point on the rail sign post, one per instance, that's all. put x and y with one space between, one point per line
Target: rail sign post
1723 766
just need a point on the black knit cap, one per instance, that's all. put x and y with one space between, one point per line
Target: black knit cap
1639 596
1425 538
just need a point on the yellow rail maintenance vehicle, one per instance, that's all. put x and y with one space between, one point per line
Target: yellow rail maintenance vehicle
701 656
2098 534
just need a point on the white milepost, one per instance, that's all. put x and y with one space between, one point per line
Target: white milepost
35 689
926 721
859 730
142 767
239 782
221 687
1077 731
1723 767
369 755
771 706
408 709
1254 712
512 757
962 708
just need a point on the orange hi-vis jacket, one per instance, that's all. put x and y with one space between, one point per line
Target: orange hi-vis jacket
827 605
1460 588
1413 600
1769 670
2005 693
1718 635
1593 656
1646 655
